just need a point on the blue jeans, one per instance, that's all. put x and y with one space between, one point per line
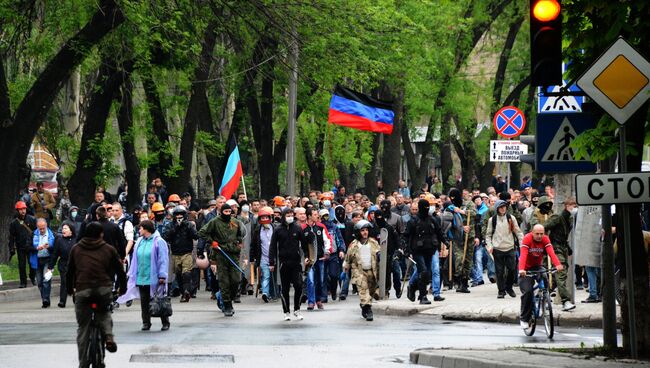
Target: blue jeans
396 271
435 274
316 283
345 283
43 286
592 276
265 280
481 257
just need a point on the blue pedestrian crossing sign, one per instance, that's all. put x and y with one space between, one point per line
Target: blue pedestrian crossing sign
555 133
560 104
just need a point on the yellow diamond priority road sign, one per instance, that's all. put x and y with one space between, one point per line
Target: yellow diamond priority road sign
619 81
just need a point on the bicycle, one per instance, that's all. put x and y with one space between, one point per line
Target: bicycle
542 304
96 349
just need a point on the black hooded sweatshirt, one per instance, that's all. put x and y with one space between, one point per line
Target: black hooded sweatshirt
286 242
424 233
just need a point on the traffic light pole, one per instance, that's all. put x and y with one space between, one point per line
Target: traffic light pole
629 277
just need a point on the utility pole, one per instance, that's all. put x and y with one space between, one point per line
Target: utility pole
607 273
293 96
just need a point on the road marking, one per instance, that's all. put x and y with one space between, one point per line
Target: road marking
570 335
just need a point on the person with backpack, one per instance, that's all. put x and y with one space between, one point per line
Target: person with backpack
460 230
502 236
424 239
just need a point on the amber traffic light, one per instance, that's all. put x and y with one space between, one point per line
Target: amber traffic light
546 42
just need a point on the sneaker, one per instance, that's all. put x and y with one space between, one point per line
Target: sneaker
129 303
425 301
501 295
492 280
287 316
591 300
319 305
265 298
310 306
511 293
567 306
579 287
297 315
523 324
342 297
61 305
438 298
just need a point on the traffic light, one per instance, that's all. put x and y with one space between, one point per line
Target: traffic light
531 157
545 42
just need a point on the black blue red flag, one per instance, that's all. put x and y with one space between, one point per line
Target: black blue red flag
356 110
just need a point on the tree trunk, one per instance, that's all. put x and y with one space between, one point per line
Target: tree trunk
198 110
446 162
15 139
99 107
392 155
315 161
131 164
158 141
370 177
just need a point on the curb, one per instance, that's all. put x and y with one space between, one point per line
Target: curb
28 293
594 321
440 360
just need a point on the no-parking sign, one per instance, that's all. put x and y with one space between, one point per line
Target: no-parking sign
509 122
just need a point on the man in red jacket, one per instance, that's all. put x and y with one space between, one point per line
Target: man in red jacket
534 248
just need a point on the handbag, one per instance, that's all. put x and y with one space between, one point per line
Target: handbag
161 305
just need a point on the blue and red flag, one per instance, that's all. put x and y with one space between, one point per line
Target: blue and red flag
356 110
232 171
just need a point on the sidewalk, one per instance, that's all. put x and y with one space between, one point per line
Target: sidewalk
482 305
515 357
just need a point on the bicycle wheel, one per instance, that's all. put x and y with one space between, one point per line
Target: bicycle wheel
530 331
547 313
95 351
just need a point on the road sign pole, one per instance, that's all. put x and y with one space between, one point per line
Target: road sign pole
629 278
608 292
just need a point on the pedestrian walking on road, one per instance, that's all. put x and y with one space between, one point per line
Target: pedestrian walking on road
21 236
60 254
224 237
180 235
43 244
286 245
558 227
362 260
502 235
148 273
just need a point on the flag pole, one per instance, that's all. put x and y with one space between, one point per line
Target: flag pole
243 184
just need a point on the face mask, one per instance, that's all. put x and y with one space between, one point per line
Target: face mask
432 210
170 211
73 214
179 220
225 217
574 211
245 208
326 217
159 216
289 220
277 218
327 203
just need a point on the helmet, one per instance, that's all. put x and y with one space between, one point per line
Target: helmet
265 211
362 224
202 263
20 205
179 210
157 207
174 198
323 212
278 201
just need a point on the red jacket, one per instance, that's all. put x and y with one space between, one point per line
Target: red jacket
532 252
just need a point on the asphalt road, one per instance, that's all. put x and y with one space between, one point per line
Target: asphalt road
255 336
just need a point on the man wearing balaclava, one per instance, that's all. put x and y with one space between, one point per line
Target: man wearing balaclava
462 233
424 236
224 237
392 259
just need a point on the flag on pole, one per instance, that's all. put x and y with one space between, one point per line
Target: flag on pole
356 110
232 171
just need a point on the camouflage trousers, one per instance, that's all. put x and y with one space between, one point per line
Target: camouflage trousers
562 253
367 286
229 279
463 270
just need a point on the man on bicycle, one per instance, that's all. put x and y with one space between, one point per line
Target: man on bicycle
92 266
534 247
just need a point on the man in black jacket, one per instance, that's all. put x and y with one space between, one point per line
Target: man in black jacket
180 235
286 243
424 239
392 258
21 234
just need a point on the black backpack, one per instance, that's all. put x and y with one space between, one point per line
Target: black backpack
509 219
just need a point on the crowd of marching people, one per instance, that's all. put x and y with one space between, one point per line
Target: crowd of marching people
326 246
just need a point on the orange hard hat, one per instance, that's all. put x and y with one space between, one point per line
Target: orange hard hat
174 198
157 207
278 201
20 205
